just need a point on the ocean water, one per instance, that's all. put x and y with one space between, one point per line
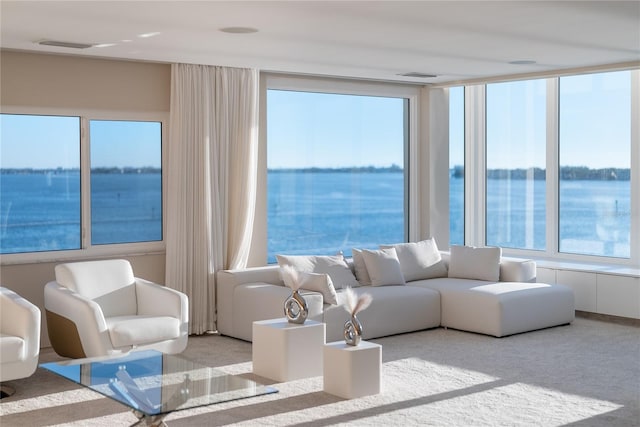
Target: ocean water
41 211
312 213
324 213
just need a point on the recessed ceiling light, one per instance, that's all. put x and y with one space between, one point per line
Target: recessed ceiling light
71 45
522 62
419 75
239 30
147 35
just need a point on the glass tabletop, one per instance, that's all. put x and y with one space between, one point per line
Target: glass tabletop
154 383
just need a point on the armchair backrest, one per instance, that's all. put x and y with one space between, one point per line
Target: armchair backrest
110 283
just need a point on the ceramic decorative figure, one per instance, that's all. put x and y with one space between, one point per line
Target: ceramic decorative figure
354 304
295 306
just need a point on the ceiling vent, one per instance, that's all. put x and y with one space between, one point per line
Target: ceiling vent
418 75
70 45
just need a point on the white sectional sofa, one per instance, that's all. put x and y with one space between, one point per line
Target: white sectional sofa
507 301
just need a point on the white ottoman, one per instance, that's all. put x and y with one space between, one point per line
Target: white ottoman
284 351
352 371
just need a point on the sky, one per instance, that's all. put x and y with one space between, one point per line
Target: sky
330 130
45 142
594 117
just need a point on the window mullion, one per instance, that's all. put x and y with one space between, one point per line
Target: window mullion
85 183
552 168
635 168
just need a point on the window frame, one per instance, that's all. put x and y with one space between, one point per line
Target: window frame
87 250
273 81
475 172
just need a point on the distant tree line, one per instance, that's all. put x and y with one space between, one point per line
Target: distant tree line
102 170
582 173
350 169
573 173
126 169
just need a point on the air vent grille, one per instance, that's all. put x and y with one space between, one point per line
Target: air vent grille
71 45
419 75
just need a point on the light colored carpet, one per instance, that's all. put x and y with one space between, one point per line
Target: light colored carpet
585 374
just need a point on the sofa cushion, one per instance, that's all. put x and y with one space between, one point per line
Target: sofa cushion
362 275
383 267
393 310
469 262
333 265
419 260
320 283
125 331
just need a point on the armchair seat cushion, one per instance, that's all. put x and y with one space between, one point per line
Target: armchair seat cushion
12 348
137 330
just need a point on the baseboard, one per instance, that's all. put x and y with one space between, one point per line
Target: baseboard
609 318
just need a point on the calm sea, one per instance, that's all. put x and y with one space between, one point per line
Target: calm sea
41 212
319 212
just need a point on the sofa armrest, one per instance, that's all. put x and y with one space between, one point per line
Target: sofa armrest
157 300
517 270
85 314
20 318
266 274
228 280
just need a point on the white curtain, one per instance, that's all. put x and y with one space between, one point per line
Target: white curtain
213 148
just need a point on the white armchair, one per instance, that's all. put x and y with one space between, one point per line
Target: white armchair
98 308
19 338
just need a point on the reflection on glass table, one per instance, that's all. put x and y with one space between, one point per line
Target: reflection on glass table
154 384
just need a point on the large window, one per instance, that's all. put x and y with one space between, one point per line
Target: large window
595 153
515 175
336 175
557 157
45 202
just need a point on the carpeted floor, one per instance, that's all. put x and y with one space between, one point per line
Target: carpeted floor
585 374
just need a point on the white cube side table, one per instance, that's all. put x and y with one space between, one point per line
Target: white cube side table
284 351
352 371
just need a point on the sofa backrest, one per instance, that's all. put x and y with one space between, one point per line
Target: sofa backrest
110 283
511 269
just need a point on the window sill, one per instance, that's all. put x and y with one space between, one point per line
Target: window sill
618 270
95 252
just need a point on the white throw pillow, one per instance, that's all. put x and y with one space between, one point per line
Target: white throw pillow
333 265
360 267
419 260
320 283
383 267
468 262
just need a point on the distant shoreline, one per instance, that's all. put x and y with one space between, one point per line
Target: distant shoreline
573 173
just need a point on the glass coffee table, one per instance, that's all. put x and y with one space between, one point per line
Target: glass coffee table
154 384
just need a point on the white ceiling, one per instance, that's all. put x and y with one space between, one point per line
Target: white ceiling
456 40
